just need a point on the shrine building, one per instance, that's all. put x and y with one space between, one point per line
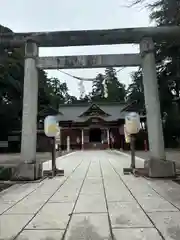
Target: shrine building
96 125
85 126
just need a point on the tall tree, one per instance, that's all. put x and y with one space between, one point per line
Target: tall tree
51 92
11 87
98 88
115 89
167 13
108 84
135 91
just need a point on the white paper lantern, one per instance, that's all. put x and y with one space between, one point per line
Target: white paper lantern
132 123
51 128
126 135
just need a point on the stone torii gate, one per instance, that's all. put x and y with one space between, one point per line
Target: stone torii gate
157 166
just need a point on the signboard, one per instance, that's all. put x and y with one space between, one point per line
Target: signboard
51 128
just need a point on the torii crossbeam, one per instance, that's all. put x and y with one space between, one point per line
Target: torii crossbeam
93 37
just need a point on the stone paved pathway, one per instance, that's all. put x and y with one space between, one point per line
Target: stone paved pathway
93 201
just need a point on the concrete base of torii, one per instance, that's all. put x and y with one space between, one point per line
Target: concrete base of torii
27 172
156 168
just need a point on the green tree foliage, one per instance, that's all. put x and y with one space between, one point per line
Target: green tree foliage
98 88
135 91
165 13
11 88
116 90
51 91
110 83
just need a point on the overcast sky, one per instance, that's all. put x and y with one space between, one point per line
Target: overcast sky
51 15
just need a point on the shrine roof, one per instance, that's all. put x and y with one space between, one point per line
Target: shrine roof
81 112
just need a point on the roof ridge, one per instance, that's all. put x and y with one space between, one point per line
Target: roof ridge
89 107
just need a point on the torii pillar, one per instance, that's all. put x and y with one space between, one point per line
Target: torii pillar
29 169
157 166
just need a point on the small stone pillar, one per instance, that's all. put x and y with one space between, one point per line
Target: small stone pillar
82 139
68 144
59 141
157 168
30 101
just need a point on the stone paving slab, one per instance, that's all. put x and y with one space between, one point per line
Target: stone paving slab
140 188
127 215
168 224
156 204
136 234
89 226
41 235
11 225
72 183
39 195
4 207
64 196
114 195
16 193
76 203
116 191
92 180
52 216
49 187
27 206
92 186
68 192
96 174
91 204
167 189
